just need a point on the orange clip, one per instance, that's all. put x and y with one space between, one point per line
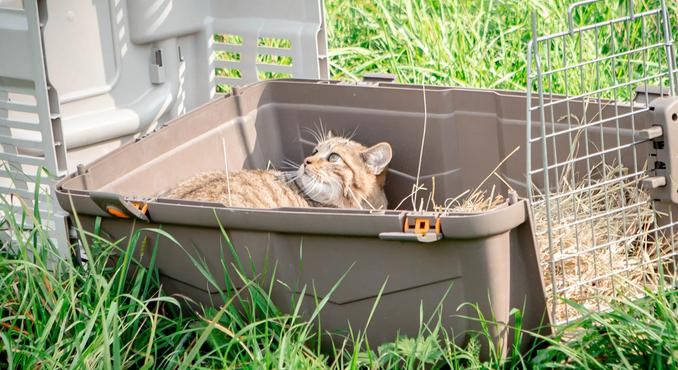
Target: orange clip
141 206
421 226
115 212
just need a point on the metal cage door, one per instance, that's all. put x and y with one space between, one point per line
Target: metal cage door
593 143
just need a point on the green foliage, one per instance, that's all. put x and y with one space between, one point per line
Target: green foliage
470 43
636 334
109 312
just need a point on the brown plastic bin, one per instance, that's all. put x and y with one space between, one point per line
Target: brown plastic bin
488 258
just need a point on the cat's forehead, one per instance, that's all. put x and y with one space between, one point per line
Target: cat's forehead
337 143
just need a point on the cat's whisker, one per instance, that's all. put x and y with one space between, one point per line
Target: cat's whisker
316 137
287 161
313 190
353 134
291 177
287 164
323 131
289 174
316 132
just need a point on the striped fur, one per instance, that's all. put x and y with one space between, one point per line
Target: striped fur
339 173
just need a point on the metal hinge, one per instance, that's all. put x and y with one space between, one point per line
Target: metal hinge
417 227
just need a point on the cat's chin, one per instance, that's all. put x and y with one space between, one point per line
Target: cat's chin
319 191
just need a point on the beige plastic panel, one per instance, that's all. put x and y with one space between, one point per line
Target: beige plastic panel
31 144
122 67
118 68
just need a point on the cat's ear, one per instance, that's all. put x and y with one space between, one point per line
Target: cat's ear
329 134
377 157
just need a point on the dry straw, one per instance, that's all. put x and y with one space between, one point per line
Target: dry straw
619 254
612 256
615 255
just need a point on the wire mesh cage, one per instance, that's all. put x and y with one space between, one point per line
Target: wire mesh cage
589 150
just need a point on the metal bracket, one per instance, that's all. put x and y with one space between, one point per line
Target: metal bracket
418 228
119 207
665 166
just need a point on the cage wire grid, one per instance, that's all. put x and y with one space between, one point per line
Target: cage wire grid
599 233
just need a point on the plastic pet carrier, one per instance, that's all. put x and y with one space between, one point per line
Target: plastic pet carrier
487 258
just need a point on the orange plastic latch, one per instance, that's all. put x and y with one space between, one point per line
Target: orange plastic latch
115 212
422 226
141 206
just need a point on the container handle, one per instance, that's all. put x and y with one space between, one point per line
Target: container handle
410 237
417 228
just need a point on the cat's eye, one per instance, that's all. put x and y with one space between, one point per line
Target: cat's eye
334 157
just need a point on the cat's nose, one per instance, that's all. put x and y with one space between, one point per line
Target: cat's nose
307 161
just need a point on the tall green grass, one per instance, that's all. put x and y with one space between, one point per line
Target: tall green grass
474 43
110 312
639 334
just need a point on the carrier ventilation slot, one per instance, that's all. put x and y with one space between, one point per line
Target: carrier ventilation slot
274 59
22 177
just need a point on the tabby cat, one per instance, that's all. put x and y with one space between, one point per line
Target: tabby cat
339 173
